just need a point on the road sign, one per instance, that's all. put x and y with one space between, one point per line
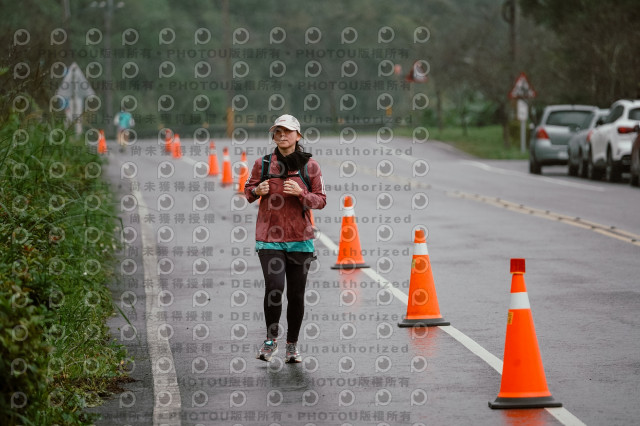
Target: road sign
75 83
522 89
74 88
418 72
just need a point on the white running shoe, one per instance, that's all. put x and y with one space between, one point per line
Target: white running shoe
268 349
292 353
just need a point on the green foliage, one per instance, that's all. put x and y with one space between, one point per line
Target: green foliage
56 252
23 352
574 52
596 59
482 142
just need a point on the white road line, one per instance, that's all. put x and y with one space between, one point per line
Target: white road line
565 417
561 414
370 272
167 403
474 347
191 161
498 170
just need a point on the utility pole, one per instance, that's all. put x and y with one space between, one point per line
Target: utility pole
108 75
510 16
227 68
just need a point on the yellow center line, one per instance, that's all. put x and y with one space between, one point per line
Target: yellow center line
608 231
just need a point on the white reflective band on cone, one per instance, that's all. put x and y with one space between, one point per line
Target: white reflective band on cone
519 301
348 212
420 249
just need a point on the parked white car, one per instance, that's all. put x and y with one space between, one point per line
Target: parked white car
610 142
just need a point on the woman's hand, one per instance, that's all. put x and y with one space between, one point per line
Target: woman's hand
262 188
291 187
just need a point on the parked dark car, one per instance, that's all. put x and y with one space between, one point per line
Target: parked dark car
578 146
635 159
550 137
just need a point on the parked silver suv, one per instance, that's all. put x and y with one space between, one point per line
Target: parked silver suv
610 143
550 137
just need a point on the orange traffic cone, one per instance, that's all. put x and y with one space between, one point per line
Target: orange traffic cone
226 168
349 251
523 382
214 169
102 143
243 175
168 140
176 148
422 306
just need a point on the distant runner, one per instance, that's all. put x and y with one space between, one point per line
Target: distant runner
124 120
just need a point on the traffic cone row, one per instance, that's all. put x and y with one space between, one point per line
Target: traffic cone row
523 382
172 145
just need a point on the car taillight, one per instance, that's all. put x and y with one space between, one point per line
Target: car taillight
542 134
624 130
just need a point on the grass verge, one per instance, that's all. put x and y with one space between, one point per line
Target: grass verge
482 142
57 251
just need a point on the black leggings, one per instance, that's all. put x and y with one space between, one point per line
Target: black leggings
276 266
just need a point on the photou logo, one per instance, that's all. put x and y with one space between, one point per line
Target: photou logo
21 37
346 398
349 69
310 398
384 265
237 365
237 399
349 35
383 364
93 37
240 36
312 69
277 35
274 398
199 365
201 36
166 36
199 398
130 37
383 397
312 35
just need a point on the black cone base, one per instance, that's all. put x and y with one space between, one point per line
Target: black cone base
350 266
537 402
427 322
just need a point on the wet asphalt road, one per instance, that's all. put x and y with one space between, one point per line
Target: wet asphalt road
192 288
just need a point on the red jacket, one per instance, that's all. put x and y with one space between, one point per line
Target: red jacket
281 217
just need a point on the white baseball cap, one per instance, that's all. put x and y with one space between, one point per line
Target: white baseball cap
286 121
